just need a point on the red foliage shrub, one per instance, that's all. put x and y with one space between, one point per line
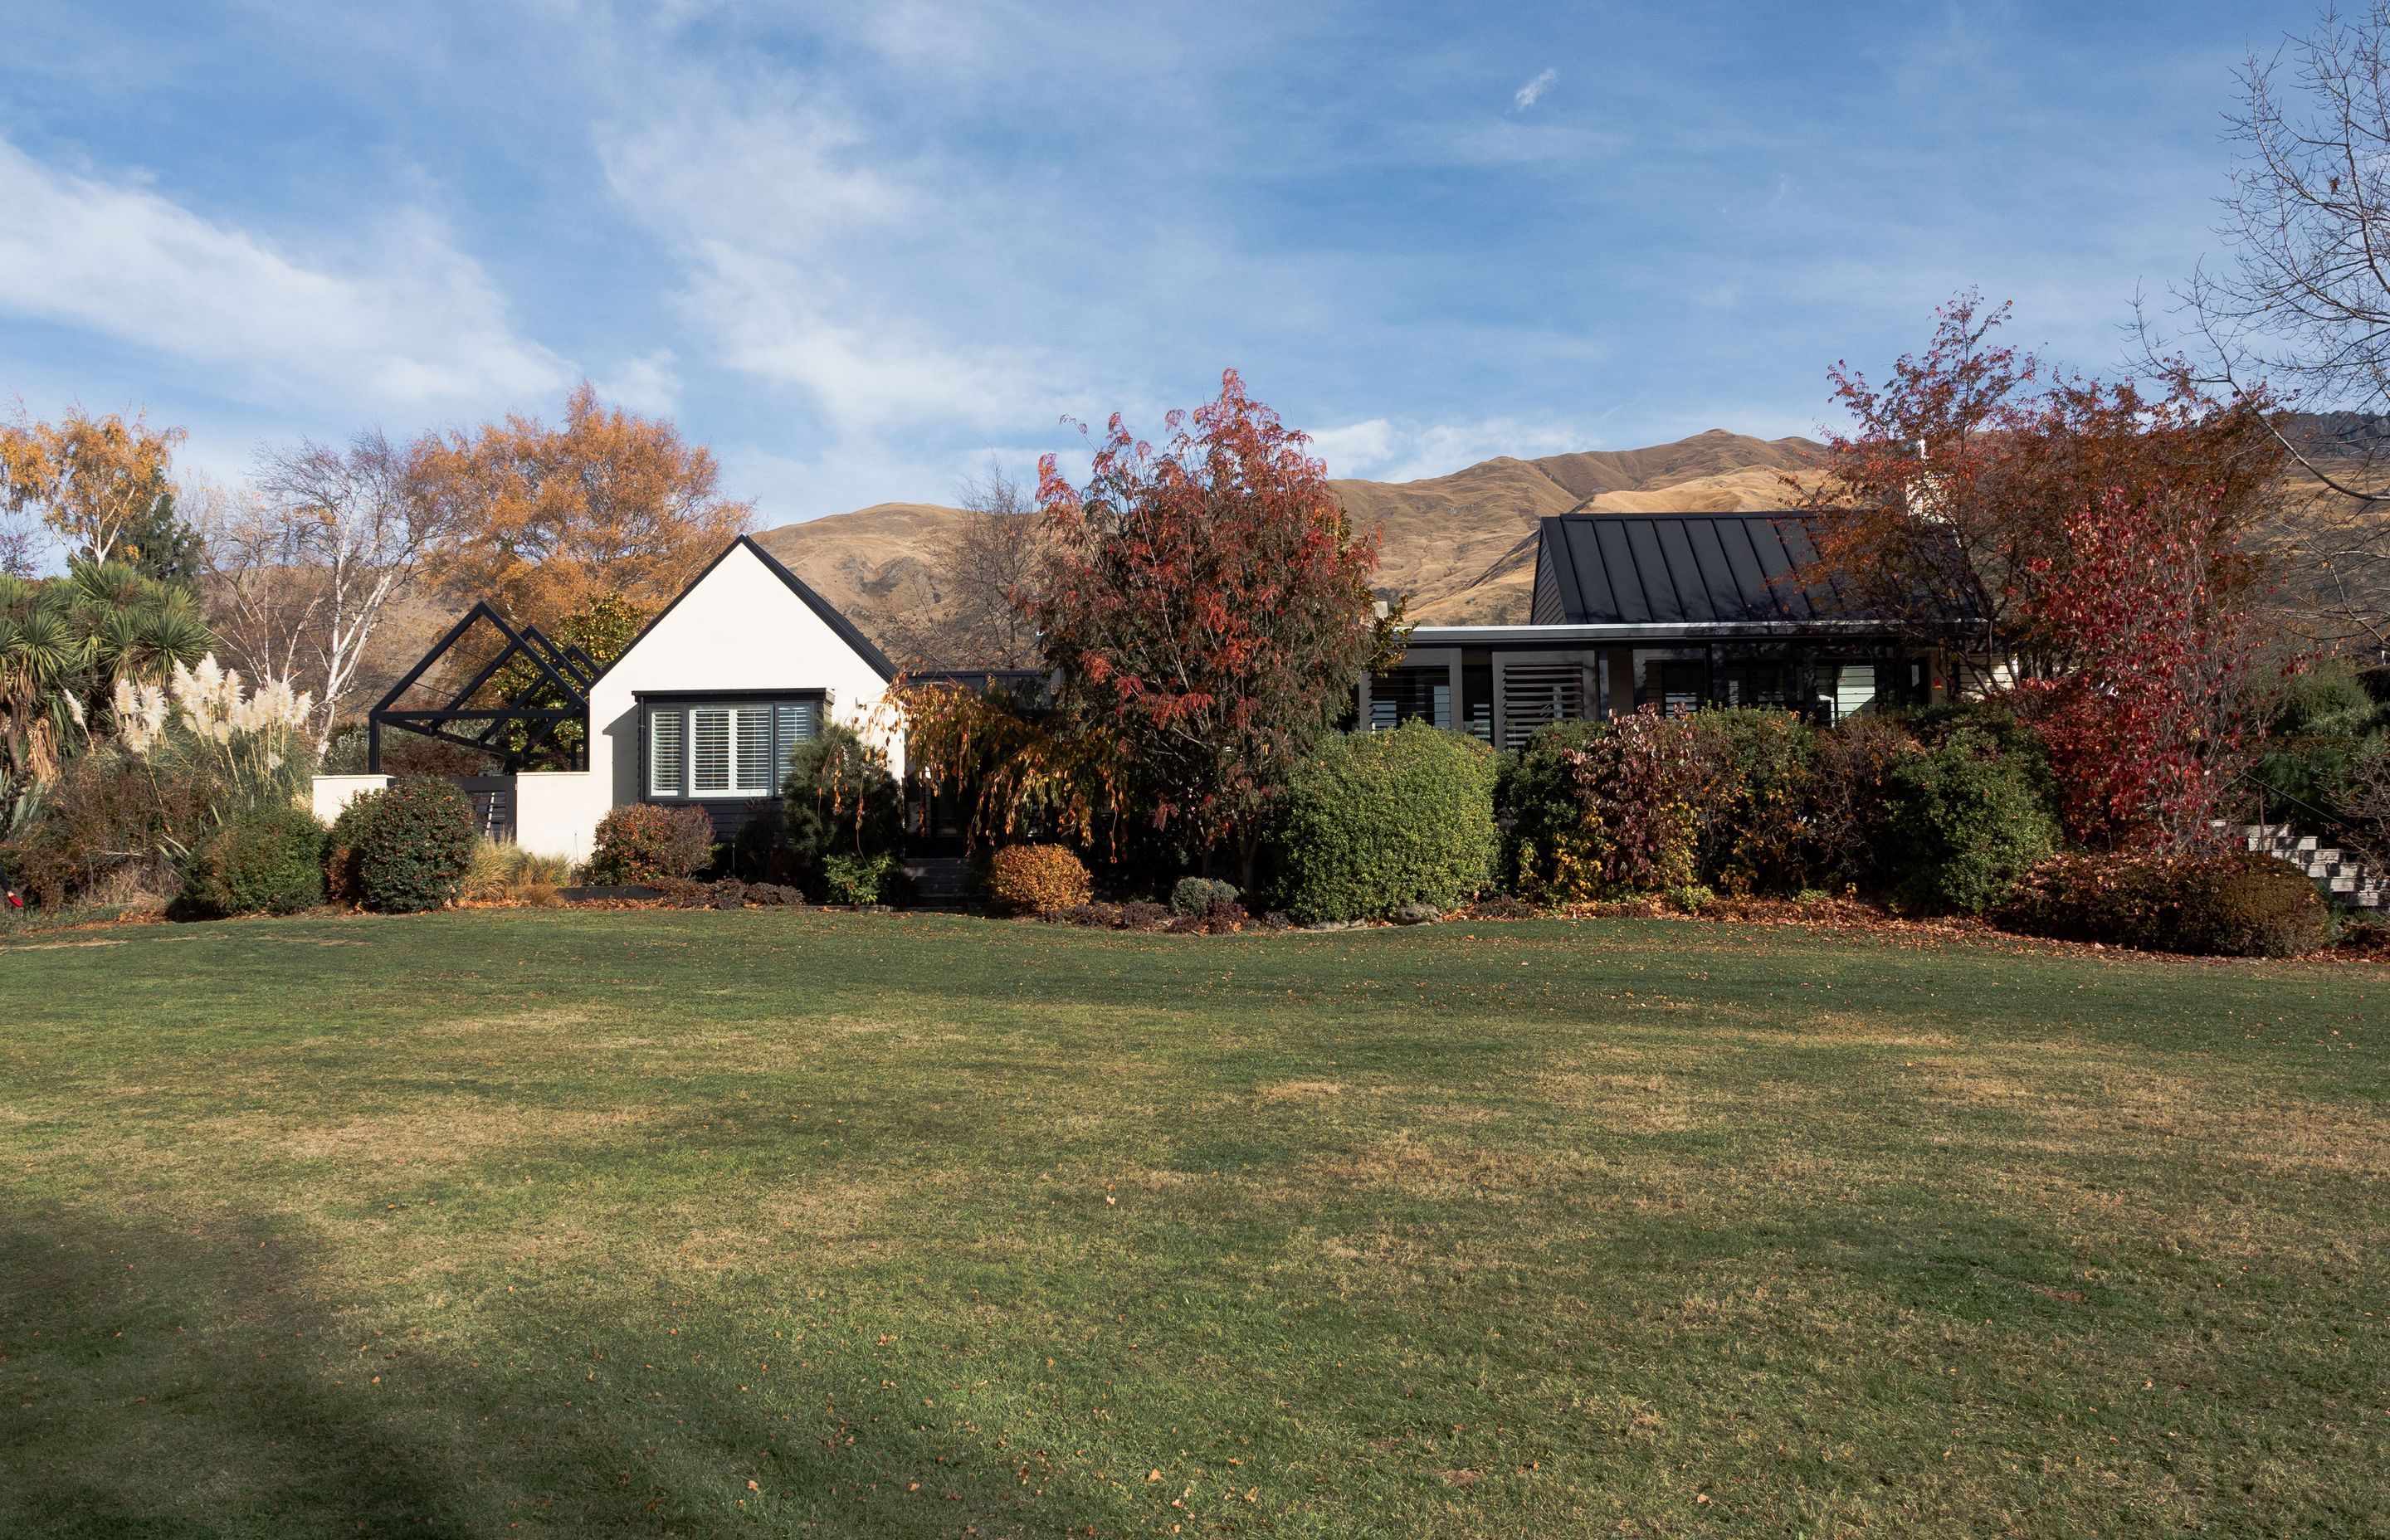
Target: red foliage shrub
642 842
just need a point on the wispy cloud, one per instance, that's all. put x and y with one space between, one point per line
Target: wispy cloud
1382 449
1532 92
418 324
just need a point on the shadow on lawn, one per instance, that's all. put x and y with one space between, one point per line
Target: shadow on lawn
159 1381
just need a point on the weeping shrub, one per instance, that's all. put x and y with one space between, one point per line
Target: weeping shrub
265 861
839 800
1374 821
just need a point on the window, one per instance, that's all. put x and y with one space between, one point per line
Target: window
667 754
725 749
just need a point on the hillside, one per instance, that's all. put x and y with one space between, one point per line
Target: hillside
1461 546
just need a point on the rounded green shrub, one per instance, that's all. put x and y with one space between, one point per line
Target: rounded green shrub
2246 904
264 861
1374 821
645 842
409 846
1965 820
1200 895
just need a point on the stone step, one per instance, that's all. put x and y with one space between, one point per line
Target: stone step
939 880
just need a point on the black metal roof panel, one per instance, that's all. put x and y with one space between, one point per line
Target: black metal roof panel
1631 569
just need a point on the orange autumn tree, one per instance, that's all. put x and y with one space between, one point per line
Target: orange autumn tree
544 520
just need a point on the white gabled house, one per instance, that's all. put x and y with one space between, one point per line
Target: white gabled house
702 709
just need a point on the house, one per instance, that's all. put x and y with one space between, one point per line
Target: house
1676 610
702 709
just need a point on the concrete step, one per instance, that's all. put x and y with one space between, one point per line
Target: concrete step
939 880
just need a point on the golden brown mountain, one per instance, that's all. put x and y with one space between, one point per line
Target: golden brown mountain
1461 546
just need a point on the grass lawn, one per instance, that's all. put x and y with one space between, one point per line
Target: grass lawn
705 1224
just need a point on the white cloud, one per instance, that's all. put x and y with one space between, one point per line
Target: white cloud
797 261
1382 450
1532 92
420 326
647 384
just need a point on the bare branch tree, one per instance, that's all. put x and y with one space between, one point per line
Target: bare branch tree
306 569
991 564
2300 312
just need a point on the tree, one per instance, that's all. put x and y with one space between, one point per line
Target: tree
542 519
99 484
1207 605
2300 309
2150 720
989 564
65 644
306 569
1950 503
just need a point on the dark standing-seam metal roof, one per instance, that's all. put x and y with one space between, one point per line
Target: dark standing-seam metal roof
1634 568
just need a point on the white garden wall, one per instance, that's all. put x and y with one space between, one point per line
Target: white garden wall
332 793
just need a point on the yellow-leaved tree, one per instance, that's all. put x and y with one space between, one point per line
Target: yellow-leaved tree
100 484
543 520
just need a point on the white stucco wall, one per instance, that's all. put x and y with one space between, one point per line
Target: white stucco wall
331 793
740 628
557 811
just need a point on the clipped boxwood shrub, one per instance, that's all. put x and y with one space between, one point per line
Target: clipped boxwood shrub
1374 821
1034 879
642 842
264 861
2233 905
1965 820
411 845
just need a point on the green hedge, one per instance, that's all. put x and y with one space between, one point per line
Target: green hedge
1966 818
1374 821
265 861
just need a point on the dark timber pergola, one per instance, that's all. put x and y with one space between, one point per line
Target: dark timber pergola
557 693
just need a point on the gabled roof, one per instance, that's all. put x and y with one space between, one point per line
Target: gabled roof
1636 569
830 614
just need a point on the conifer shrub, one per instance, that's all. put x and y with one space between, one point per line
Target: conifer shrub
1035 880
642 842
1374 821
410 846
263 861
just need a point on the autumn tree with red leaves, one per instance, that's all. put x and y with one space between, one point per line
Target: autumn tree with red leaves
2148 717
1207 607
1952 501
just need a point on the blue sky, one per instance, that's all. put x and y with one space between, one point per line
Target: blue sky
862 249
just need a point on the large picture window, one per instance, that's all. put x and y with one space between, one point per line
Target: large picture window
726 747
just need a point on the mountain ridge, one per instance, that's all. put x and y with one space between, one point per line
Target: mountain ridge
1460 547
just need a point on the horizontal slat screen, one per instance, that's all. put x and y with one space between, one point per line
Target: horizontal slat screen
667 751
709 727
1536 695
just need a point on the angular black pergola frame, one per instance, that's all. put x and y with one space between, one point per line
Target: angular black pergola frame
563 667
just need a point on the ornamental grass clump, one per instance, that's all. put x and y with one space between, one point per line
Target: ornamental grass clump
1034 879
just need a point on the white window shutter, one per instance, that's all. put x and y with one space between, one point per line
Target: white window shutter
667 751
710 729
